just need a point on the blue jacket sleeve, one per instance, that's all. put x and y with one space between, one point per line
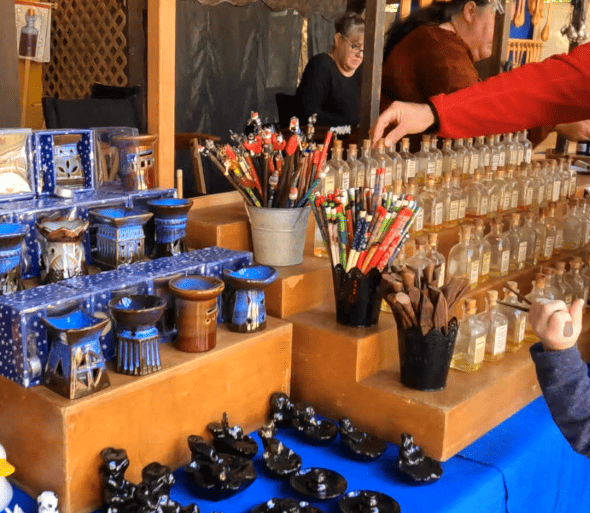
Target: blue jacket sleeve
563 377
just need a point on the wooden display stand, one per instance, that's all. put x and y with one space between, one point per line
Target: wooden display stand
55 443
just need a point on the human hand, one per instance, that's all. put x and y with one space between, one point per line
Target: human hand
408 118
577 131
548 320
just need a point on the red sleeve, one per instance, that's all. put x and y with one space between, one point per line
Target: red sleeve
554 91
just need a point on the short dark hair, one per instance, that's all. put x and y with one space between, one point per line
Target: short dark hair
349 22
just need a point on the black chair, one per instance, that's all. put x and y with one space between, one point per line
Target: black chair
287 107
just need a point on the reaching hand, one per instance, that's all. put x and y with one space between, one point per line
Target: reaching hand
548 320
408 118
577 131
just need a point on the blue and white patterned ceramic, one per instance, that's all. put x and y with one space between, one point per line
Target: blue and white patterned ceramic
170 219
11 236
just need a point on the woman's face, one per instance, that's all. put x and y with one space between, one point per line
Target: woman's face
348 50
482 32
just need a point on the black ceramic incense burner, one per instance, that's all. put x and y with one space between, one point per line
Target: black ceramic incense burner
366 501
319 483
216 475
314 430
282 410
360 444
231 439
285 506
118 493
414 465
280 460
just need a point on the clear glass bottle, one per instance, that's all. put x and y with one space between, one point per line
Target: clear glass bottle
417 227
502 160
397 162
516 320
463 157
494 193
432 204
519 149
485 251
370 165
556 175
463 260
545 236
477 198
575 279
501 184
550 284
470 345
340 167
357 170
438 157
565 179
511 150
494 153
496 328
437 258
426 164
384 161
500 250
538 185
456 186
512 186
473 158
572 228
484 152
584 216
518 245
327 180
545 176
525 189
573 178
566 290
450 200
529 234
449 158
409 161
538 292
419 261
527 145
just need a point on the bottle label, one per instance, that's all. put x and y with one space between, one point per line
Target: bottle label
522 252
504 261
441 275
453 163
439 166
581 147
513 156
462 208
345 180
372 178
540 194
499 345
329 184
430 167
506 200
528 196
420 220
473 272
486 158
483 206
410 169
495 161
494 200
485 263
519 328
556 188
479 350
528 155
520 156
466 164
454 210
514 201
548 249
398 171
474 164
502 158
388 176
437 212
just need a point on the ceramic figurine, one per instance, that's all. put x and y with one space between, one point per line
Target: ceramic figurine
231 440
153 493
361 444
136 161
280 460
285 506
119 494
196 312
75 364
170 218
217 475
316 431
414 464
47 502
282 410
365 501
138 337
11 236
63 249
247 302
319 483
5 487
120 239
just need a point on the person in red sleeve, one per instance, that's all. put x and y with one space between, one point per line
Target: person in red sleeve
554 91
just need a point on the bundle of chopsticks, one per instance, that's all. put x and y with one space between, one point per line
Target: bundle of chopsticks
363 228
269 170
416 301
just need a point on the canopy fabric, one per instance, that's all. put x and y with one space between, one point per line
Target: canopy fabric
331 9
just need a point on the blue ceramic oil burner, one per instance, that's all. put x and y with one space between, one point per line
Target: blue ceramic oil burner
75 364
136 161
170 218
120 239
138 337
11 236
247 302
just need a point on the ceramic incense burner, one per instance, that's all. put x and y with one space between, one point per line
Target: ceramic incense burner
75 364
360 444
315 430
278 458
319 483
136 161
366 501
11 236
170 218
285 506
415 465
231 439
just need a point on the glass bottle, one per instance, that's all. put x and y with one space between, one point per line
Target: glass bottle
496 325
494 192
449 158
485 251
538 188
502 160
477 198
518 245
370 165
426 164
573 178
397 162
545 176
341 169
511 150
357 170
417 226
538 292
566 290
512 186
432 205
558 225
456 186
527 145
529 234
328 179
27 46
384 161
437 258
504 197
484 152
494 153
500 250
463 260
516 320
525 189
473 158
470 345
450 200
409 161
519 149
463 157
584 216
438 157
545 236
575 279
419 261
565 179
572 228
550 285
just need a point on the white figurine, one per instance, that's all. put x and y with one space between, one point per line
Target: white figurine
5 488
47 503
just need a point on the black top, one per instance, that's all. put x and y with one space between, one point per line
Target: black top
328 93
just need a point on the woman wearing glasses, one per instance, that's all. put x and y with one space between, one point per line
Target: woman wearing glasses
331 83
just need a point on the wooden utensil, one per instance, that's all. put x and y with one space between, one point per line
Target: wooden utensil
414 295
519 14
532 5
426 313
545 31
403 299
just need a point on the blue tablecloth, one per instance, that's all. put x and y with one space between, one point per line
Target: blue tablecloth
523 465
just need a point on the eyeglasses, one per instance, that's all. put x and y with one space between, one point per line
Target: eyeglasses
356 49
497 6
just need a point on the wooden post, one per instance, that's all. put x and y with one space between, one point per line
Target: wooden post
9 79
492 66
372 64
162 85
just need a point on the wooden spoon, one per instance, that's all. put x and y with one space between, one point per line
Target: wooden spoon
545 31
519 14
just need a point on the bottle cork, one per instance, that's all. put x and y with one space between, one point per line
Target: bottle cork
477 175
430 180
381 144
352 147
470 306
530 215
515 218
405 140
500 172
337 144
433 238
446 179
466 230
425 138
540 280
366 144
479 223
492 297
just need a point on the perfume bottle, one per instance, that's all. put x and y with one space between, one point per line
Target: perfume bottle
502 161
572 228
527 145
496 325
512 186
357 170
494 153
449 158
566 290
432 205
477 198
573 178
417 226
463 260
484 152
327 180
426 162
456 186
511 150
340 168
529 234
397 162
518 245
485 251
538 185
545 236
463 158
473 158
450 199
550 284
409 161
584 216
575 279
525 189
538 292
562 168
384 161
500 250
470 345
494 193
558 225
516 320
370 165
519 149
438 158
419 261
438 259
504 194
